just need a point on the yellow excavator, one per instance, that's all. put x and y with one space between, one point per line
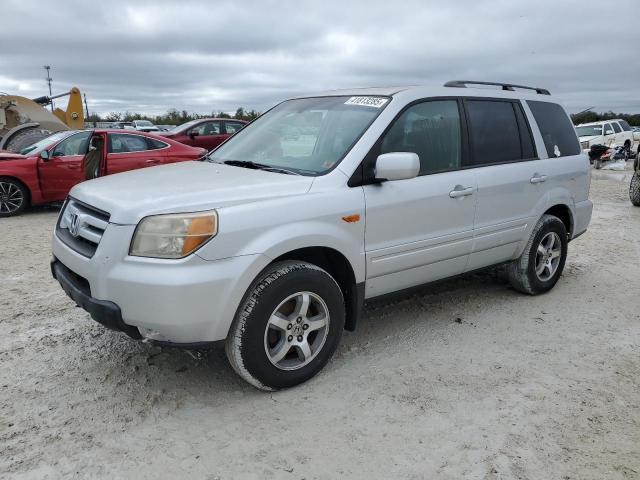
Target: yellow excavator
24 121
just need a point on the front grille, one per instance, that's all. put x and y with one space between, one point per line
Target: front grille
81 226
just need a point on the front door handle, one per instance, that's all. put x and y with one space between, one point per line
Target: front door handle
460 191
152 161
537 178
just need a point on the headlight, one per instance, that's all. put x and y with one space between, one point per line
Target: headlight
174 235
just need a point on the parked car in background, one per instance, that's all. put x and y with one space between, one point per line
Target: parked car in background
609 133
144 126
206 132
274 243
165 128
122 126
45 171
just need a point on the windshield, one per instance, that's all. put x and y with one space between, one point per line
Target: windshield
307 136
36 148
589 130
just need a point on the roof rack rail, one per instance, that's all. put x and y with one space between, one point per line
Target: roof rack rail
505 86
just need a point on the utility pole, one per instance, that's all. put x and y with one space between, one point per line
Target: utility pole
86 108
49 79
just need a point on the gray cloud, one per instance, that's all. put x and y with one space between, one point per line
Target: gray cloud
201 56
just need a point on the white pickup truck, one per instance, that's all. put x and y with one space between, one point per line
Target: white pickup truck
609 133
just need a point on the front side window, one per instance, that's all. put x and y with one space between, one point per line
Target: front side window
74 145
616 127
308 136
556 129
123 143
494 132
207 128
432 131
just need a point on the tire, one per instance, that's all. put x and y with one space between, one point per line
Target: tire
255 343
24 138
14 197
522 272
627 151
634 189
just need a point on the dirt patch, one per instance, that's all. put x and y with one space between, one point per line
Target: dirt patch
463 379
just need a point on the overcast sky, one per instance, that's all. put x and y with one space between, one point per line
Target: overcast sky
149 56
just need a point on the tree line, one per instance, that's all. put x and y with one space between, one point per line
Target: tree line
586 117
172 117
177 117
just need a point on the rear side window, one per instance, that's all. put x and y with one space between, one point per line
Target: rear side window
432 131
625 126
495 129
616 127
557 130
233 127
123 143
155 144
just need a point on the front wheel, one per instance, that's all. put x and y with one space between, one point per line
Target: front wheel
288 326
634 189
541 264
13 197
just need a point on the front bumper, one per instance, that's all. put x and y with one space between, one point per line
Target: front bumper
184 301
104 312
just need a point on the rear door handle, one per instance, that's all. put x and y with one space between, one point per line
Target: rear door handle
460 191
152 161
537 178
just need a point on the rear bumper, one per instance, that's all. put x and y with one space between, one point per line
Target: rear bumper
582 217
102 311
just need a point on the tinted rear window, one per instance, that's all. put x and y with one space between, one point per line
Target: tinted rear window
494 132
616 127
557 130
625 126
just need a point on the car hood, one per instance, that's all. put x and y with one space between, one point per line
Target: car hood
184 187
6 155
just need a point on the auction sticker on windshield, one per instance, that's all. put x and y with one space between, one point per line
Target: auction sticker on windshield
375 102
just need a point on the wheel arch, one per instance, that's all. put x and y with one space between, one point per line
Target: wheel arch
339 267
563 212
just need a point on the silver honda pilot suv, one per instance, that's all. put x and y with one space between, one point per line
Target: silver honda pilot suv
276 240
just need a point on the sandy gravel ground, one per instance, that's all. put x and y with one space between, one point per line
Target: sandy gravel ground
466 379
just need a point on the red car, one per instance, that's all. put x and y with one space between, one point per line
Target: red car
206 132
45 171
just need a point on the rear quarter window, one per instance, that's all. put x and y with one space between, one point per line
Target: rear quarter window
557 131
625 126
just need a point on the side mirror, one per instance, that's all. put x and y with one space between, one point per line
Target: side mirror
44 155
193 134
397 166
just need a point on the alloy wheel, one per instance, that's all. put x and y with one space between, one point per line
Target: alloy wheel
296 331
548 256
11 197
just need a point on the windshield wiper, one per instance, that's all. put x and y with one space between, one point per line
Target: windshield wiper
259 166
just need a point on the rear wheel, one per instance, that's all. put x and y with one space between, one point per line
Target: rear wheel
287 327
14 197
634 189
541 264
